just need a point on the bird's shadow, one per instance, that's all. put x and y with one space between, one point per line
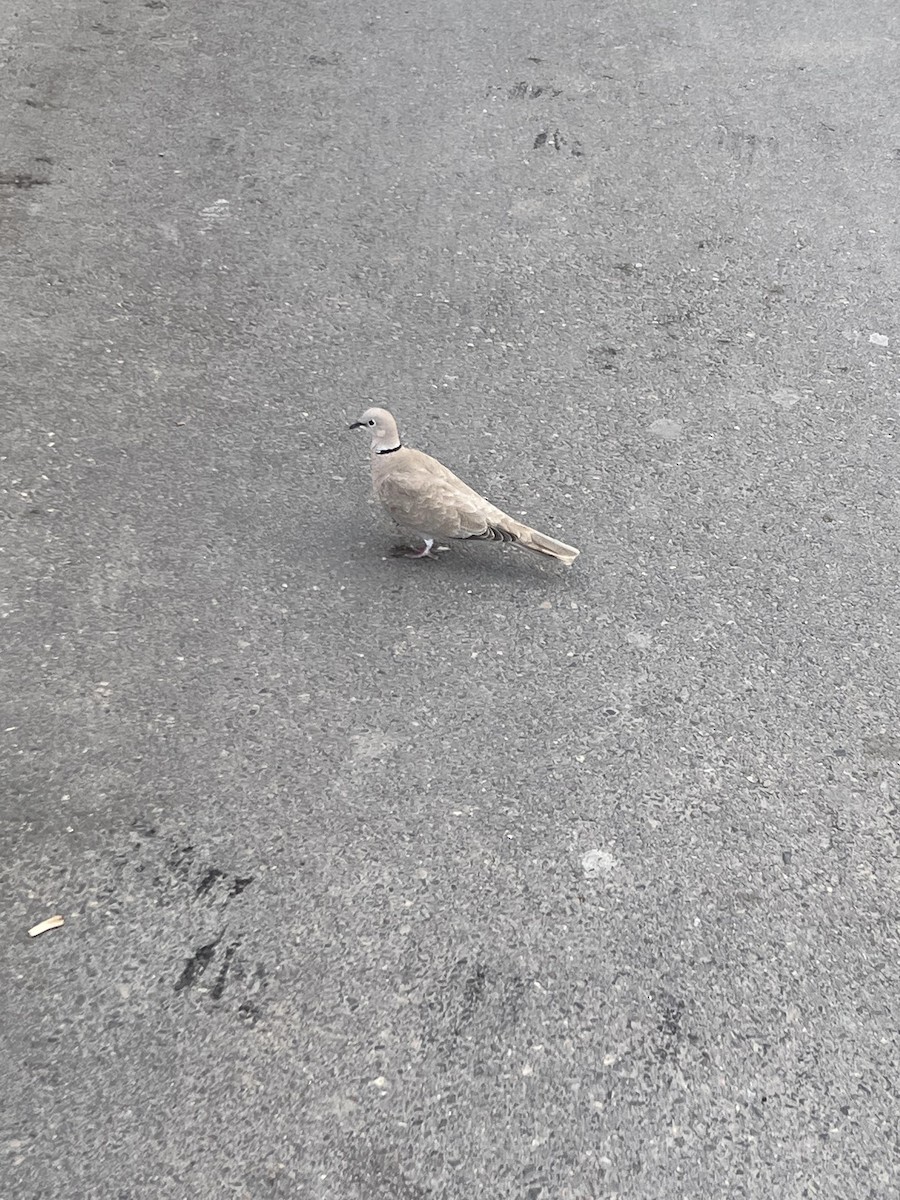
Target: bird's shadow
465 564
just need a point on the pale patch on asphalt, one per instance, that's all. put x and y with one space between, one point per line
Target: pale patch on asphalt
598 864
665 428
642 641
785 397
214 213
366 747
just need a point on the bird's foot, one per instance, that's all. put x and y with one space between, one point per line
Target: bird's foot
425 552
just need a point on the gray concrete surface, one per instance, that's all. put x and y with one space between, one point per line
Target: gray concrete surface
389 880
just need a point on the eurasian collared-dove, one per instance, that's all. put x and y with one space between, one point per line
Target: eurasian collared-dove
422 495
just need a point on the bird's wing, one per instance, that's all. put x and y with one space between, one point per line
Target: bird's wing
420 493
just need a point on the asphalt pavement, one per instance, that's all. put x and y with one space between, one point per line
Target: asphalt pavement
395 880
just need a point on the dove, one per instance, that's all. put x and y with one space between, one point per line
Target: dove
423 495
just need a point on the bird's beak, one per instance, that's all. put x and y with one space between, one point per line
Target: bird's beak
357 425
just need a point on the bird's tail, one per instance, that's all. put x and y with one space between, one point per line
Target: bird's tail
532 539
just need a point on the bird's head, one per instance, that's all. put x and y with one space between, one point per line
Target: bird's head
382 427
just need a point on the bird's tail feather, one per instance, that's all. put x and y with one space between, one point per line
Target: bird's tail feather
532 539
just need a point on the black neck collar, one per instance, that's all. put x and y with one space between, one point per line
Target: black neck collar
392 450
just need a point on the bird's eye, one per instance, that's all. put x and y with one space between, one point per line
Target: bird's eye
371 422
